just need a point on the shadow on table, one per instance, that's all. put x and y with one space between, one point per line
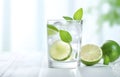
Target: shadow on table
52 72
96 71
86 71
80 72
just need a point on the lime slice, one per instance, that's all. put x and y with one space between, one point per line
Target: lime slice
90 54
60 50
51 32
51 29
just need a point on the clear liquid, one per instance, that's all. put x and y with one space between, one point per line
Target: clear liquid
73 61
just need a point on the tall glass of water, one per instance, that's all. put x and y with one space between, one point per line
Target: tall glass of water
64 43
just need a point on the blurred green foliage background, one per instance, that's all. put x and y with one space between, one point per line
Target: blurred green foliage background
112 15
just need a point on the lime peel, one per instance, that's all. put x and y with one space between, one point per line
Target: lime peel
106 60
111 49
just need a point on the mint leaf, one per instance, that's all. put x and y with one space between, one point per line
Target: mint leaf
52 27
78 14
65 36
67 18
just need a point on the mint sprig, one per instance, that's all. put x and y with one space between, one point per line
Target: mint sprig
76 16
64 35
67 18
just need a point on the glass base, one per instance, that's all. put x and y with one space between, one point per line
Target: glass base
67 65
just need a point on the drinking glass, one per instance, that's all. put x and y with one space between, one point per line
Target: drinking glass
64 43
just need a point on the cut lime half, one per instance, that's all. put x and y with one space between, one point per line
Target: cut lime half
60 50
90 54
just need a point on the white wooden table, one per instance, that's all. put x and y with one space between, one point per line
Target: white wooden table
34 64
20 64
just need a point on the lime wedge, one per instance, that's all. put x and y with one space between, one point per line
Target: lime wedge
90 54
60 50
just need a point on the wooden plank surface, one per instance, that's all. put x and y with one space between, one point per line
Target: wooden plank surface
34 64
20 64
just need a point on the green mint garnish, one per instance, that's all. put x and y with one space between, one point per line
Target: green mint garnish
78 14
52 27
65 36
67 18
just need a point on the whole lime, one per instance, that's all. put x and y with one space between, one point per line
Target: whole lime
111 49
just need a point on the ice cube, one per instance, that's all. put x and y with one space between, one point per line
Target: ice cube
58 23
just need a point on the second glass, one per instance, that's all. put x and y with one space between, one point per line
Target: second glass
64 40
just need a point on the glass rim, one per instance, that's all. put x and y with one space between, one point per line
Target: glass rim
63 20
